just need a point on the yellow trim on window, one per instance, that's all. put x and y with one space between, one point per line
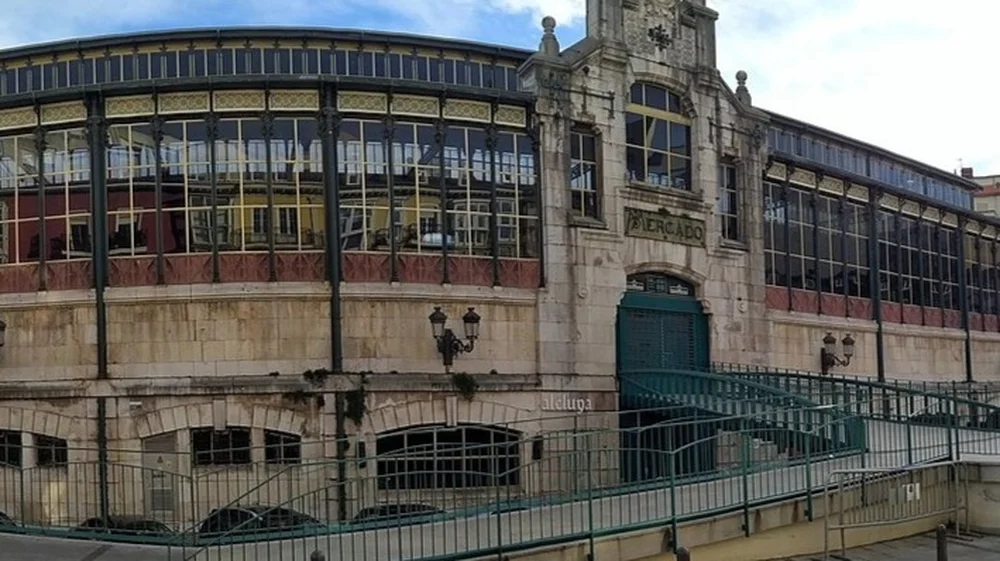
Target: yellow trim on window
659 114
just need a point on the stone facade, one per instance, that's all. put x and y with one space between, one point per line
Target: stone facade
257 355
588 261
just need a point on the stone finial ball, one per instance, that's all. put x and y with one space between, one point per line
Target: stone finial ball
548 23
741 76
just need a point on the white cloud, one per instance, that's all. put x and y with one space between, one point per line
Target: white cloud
907 75
566 12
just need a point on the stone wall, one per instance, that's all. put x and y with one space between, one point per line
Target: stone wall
911 352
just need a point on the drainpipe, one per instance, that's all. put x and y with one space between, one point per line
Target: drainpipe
329 126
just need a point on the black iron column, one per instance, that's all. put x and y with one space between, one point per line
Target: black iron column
814 208
921 274
941 268
388 136
963 294
329 131
785 191
98 140
534 134
157 125
212 133
102 458
440 139
981 286
897 249
842 214
491 148
874 280
267 132
995 282
41 144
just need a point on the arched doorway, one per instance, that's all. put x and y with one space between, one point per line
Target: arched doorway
661 325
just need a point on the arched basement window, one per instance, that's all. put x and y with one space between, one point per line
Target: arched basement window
437 456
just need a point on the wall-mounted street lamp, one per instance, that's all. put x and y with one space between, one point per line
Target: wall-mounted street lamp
449 345
3 332
828 354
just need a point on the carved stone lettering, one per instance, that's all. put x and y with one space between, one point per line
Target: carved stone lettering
665 227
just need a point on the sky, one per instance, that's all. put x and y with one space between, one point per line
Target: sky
910 76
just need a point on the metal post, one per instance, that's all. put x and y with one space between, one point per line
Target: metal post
941 536
317 556
683 554
102 458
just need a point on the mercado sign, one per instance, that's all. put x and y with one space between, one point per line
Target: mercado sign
664 227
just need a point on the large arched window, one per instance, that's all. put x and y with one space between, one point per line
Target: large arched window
658 138
434 457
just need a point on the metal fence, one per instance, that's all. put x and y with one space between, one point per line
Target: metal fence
859 499
691 445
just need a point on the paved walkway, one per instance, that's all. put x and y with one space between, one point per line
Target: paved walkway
887 445
922 548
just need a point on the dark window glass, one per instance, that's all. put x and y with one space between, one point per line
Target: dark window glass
115 69
171 65
282 447
449 71
87 72
230 446
184 66
448 457
499 77
227 63
512 79
270 61
395 66
50 451
312 62
298 61
422 68
326 62
156 65
142 66
380 65
128 68
10 448
435 69
354 63
198 62
409 67
475 74
461 72
341 63
285 61
101 70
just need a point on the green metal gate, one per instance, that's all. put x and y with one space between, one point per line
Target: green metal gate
661 326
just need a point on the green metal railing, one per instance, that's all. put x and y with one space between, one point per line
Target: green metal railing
924 403
688 445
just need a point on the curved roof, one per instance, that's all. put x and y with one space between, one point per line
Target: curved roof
269 32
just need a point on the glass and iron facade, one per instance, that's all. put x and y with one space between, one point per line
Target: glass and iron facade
844 237
233 170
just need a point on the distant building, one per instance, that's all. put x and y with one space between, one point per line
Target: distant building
987 201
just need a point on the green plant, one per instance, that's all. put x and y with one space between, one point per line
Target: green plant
316 377
465 384
297 397
354 401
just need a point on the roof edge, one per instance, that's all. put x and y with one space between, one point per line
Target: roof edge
241 32
936 172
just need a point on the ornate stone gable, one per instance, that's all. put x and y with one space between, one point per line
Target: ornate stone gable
654 29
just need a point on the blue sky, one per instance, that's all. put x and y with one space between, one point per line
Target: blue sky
908 75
